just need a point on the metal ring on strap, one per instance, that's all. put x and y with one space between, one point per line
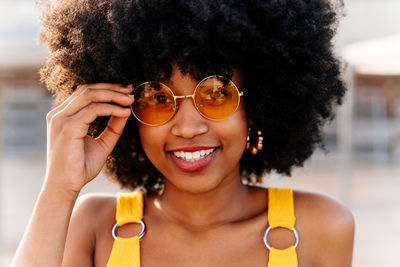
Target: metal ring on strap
296 234
141 234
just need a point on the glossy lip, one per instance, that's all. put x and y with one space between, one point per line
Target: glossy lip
197 165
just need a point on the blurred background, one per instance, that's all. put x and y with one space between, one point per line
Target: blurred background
360 167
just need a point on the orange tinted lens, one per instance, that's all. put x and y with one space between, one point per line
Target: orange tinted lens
154 103
216 97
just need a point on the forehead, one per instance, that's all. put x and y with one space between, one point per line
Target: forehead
184 84
181 83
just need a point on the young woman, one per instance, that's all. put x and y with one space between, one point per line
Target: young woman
221 92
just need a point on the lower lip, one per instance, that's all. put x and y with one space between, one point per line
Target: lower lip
194 166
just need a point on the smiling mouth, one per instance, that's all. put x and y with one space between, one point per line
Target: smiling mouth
193 156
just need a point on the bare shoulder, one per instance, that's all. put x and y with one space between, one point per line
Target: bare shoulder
327 227
92 214
95 204
325 209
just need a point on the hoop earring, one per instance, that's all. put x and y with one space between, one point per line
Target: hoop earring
254 147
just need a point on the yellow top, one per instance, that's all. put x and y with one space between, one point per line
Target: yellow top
281 214
126 251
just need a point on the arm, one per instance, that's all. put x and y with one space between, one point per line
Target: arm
91 214
73 159
336 237
329 228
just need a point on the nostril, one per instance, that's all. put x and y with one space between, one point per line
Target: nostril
188 123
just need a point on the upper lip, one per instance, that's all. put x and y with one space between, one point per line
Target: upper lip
192 148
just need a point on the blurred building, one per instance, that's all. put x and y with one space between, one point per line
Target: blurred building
23 100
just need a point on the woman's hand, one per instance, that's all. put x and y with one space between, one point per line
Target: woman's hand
73 157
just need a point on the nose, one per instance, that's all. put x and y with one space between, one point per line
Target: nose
188 122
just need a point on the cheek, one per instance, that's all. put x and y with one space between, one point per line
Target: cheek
236 132
153 141
150 139
241 139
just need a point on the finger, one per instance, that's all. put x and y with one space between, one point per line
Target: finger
91 95
111 86
61 106
81 88
109 137
88 114
77 126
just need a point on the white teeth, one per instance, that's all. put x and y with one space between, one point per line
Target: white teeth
193 156
196 155
188 155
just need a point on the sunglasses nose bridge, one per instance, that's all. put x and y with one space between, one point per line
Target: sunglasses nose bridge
176 98
182 97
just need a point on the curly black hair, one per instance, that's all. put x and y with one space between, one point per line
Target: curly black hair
283 49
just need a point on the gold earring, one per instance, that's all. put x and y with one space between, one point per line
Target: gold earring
140 157
253 148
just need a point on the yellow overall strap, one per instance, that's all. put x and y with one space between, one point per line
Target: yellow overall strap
126 251
281 214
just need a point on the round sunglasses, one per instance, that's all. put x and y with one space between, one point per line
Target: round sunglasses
215 98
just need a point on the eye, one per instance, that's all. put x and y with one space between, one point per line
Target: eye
216 93
160 98
220 93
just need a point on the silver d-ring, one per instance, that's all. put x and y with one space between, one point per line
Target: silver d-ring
296 234
141 234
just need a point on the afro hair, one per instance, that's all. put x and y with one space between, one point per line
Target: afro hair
283 49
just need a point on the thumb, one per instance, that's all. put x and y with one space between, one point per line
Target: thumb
109 137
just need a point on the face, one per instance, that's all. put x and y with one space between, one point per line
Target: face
193 153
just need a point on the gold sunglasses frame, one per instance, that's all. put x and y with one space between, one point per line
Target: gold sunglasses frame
176 106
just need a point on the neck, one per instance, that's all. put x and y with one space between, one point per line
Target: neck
227 203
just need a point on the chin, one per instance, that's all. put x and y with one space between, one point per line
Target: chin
194 185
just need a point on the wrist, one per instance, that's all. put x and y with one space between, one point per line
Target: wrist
60 192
